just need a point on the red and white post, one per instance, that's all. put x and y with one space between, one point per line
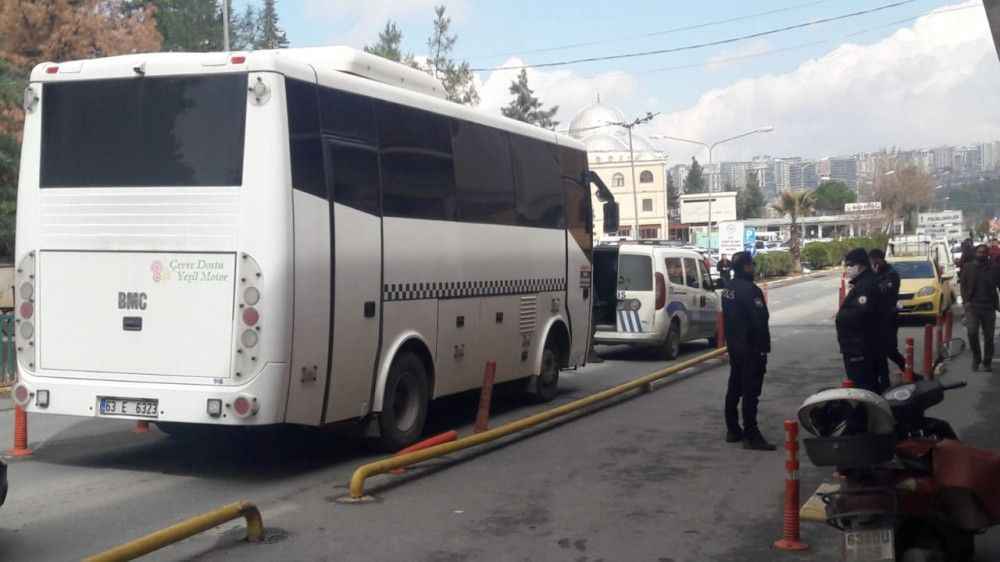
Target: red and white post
20 448
929 351
720 330
843 290
908 373
485 397
790 539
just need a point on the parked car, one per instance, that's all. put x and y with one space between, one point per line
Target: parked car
924 293
653 296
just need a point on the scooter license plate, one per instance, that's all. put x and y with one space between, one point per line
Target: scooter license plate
870 545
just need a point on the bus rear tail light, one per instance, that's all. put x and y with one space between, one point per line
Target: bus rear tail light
21 395
25 303
248 323
661 291
52 70
250 316
238 59
245 406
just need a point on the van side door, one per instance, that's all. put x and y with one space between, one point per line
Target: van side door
694 298
636 296
677 293
709 300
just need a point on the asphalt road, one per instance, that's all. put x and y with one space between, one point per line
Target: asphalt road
645 478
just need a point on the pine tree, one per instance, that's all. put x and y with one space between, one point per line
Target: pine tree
454 76
750 200
526 107
244 29
695 182
271 35
187 25
389 45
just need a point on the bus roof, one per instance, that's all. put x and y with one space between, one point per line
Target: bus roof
338 67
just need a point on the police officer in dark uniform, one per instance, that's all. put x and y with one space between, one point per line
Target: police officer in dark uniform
749 340
725 268
888 284
860 322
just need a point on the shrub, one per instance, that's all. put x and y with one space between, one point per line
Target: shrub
816 255
772 264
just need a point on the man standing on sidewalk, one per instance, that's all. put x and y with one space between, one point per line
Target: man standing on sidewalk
888 283
979 296
725 269
748 337
859 324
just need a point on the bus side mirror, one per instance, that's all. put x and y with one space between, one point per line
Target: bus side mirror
610 217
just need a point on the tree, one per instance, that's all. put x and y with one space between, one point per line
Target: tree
695 182
796 204
454 76
187 25
389 45
271 36
244 29
904 191
526 107
750 200
832 195
673 197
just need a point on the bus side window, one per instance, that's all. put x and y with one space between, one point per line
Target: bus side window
539 192
304 142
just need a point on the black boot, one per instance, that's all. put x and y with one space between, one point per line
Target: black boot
754 441
734 436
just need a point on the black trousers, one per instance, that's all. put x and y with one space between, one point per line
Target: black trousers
746 379
868 372
892 348
980 320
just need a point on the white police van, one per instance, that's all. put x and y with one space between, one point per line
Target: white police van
652 295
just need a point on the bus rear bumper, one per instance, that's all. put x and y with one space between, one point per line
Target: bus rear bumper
184 403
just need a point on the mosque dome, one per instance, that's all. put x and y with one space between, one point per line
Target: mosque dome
594 120
604 142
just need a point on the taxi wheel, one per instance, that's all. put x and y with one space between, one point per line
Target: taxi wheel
673 345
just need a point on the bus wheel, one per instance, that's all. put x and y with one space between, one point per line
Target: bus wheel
546 384
404 407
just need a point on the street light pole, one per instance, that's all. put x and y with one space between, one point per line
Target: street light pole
225 25
711 149
628 126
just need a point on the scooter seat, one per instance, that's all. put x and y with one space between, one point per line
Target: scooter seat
960 467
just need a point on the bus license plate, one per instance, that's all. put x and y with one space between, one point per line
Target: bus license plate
872 545
138 407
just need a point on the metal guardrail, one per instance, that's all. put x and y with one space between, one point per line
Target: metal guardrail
8 351
186 529
362 473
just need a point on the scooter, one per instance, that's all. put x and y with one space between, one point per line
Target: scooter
909 490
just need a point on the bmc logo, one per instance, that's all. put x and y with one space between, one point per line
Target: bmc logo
131 301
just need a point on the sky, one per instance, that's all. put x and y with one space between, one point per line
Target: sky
920 74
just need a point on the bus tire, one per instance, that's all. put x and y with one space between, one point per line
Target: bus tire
545 386
404 405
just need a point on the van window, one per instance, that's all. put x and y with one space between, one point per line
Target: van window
706 278
691 273
675 271
635 273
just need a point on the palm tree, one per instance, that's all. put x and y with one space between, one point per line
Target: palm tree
796 204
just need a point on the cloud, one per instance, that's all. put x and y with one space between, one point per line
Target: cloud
748 49
933 83
361 20
562 87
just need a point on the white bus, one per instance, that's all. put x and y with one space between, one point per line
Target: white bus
304 236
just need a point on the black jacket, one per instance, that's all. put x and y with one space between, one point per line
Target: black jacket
888 285
860 320
969 280
725 268
745 317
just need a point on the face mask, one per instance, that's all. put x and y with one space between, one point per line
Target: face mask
853 271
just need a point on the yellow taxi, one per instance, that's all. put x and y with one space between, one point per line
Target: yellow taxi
924 294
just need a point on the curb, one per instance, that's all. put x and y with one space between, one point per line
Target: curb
778 283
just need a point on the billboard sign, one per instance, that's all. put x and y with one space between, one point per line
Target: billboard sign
863 207
730 237
943 224
701 208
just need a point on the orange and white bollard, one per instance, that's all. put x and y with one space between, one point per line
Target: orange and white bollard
929 351
141 427
790 539
446 437
939 336
20 434
908 373
485 397
843 291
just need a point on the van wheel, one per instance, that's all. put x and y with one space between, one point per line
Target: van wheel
673 344
546 384
404 407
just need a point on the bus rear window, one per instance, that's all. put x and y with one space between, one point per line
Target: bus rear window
635 273
181 131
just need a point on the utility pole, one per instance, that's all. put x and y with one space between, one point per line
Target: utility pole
628 126
225 25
